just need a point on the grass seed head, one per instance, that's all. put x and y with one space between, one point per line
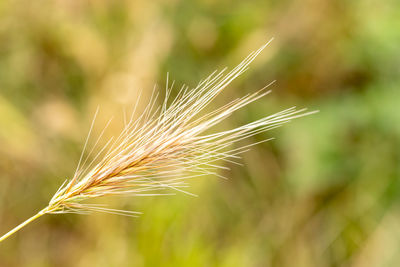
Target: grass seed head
167 145
164 147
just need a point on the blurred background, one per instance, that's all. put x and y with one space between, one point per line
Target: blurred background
325 192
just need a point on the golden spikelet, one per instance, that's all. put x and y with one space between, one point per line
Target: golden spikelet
164 147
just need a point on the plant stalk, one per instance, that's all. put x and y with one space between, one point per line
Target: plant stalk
17 228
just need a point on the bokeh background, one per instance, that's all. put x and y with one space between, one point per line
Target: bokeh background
325 192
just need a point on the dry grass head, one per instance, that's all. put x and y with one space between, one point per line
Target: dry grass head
164 147
154 151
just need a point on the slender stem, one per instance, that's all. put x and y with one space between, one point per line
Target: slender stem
31 219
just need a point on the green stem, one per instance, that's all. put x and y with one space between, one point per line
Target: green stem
17 228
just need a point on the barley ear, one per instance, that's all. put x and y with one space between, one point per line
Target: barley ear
165 147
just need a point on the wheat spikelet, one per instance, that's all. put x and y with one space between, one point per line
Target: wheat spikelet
164 147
